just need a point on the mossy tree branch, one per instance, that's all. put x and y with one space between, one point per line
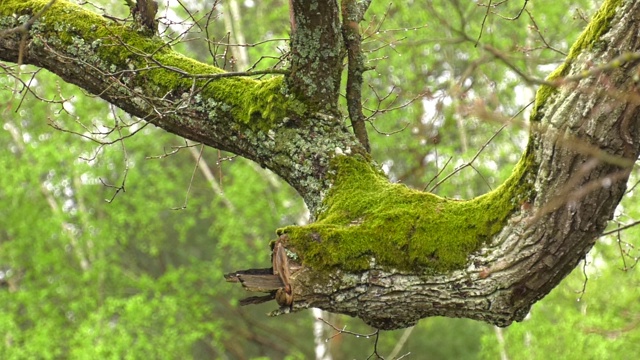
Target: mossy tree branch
259 120
392 256
379 251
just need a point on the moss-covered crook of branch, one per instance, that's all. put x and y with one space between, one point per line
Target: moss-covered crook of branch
369 220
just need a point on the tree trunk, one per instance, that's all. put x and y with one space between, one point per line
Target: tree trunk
378 251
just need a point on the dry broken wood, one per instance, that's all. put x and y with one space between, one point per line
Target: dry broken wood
276 281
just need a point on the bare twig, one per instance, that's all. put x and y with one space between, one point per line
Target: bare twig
375 348
389 106
484 19
175 150
622 254
586 279
389 133
345 331
439 172
486 15
620 228
470 162
625 252
375 354
544 41
121 138
193 175
523 8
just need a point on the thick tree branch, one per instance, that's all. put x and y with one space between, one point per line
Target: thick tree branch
379 251
573 195
316 54
143 76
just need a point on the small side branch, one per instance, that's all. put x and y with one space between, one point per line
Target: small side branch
351 15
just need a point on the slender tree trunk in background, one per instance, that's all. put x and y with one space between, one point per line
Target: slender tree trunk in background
320 335
501 345
233 25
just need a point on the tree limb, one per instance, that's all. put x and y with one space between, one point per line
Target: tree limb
351 13
575 193
143 76
379 251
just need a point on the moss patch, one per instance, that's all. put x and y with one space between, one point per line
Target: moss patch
114 48
598 25
368 217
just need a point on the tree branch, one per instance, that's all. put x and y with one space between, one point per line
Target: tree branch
316 54
356 263
143 76
351 12
380 251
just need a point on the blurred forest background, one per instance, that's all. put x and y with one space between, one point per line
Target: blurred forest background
139 276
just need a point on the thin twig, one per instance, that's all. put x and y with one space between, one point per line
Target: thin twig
345 331
439 172
193 175
620 228
622 254
469 163
586 279
375 348
523 8
484 19
544 41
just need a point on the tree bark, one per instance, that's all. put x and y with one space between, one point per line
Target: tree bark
583 143
583 149
316 54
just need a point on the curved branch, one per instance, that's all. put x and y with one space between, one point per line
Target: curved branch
370 255
379 251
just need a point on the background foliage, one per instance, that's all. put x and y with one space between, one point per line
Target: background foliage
140 275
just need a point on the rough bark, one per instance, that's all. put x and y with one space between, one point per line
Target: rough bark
583 149
580 150
316 57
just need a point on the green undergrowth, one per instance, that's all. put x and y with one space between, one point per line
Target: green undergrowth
114 48
367 217
598 25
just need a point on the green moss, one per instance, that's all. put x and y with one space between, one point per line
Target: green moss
367 217
598 25
258 104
